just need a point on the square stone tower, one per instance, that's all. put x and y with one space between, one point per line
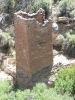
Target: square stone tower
33 37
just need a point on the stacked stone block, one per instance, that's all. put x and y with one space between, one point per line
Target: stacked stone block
33 46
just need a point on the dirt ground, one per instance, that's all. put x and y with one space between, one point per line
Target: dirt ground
63 59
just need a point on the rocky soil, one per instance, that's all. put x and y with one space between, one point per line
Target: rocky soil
59 61
8 68
64 60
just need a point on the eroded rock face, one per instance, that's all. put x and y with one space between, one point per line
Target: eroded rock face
33 45
7 69
1 20
60 27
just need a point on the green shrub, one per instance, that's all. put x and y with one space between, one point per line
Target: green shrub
9 96
70 36
39 92
40 4
22 95
69 3
7 43
8 40
65 7
68 45
5 91
9 5
65 80
5 87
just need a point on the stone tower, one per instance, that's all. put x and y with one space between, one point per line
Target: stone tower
33 37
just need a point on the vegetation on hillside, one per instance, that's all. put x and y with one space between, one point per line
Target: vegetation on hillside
6 41
68 44
65 80
39 92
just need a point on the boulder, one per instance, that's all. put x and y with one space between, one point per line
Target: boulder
1 21
55 26
62 20
9 66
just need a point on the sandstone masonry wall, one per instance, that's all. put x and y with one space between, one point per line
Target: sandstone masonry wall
33 45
